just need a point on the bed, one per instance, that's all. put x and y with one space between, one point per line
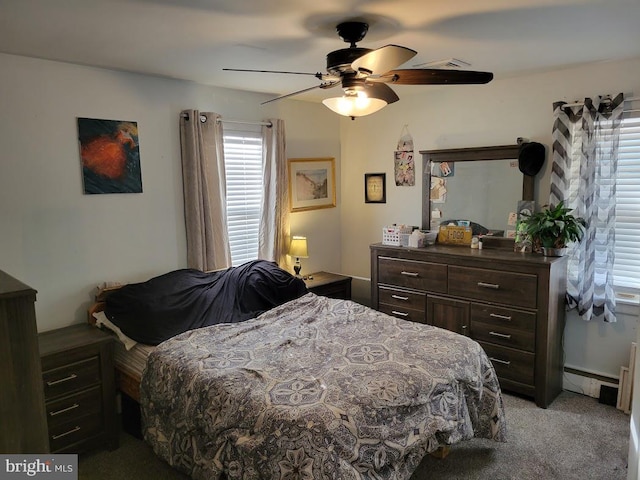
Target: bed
315 388
144 314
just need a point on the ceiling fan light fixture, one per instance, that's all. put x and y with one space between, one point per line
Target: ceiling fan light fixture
363 71
354 104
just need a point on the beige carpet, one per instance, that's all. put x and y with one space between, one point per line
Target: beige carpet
575 438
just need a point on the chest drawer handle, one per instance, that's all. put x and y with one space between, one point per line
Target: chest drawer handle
73 430
501 335
58 412
400 314
501 317
497 360
489 285
398 297
65 379
410 274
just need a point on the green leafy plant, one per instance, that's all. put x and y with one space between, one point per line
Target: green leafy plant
553 227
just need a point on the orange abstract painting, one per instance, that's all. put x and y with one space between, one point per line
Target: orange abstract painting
110 156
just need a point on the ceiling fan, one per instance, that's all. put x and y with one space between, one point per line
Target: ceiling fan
364 74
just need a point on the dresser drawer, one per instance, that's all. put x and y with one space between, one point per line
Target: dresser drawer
403 313
505 336
504 317
87 402
413 274
76 430
512 364
402 298
71 377
517 289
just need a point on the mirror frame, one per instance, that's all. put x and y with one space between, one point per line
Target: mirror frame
500 152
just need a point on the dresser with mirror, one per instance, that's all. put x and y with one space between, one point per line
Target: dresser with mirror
512 303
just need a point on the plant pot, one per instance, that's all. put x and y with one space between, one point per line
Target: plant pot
553 252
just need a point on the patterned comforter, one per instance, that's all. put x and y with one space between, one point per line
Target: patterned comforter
316 388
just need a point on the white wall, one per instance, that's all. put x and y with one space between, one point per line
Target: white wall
62 242
468 116
314 131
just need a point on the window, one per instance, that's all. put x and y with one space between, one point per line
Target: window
244 174
627 249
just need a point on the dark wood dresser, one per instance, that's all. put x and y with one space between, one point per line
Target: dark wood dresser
23 425
329 285
78 378
511 303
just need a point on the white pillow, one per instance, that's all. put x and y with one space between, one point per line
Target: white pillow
101 319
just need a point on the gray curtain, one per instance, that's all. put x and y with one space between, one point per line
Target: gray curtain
274 221
585 159
204 185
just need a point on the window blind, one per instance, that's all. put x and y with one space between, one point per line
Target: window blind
244 179
627 248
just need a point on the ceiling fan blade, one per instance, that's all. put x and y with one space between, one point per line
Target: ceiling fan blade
433 76
382 59
322 85
381 91
273 71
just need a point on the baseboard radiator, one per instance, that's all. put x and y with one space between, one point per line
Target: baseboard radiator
588 383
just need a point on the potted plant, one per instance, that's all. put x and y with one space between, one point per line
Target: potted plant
553 228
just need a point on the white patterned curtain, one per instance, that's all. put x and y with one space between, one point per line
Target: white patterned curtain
585 158
274 221
204 185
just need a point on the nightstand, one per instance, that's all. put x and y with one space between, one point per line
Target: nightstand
329 285
79 388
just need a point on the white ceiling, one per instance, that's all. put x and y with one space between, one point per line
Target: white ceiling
195 39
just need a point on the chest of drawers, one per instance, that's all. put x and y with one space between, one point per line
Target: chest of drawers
510 303
79 388
23 426
329 285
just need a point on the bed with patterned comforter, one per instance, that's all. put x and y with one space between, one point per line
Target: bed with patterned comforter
316 388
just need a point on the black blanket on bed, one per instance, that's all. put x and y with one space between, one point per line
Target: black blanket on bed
162 307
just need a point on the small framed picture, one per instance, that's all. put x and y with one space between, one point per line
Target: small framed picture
375 188
312 183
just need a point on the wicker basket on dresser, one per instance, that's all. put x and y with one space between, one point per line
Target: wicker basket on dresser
511 303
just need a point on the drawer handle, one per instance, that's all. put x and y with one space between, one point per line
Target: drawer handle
65 379
58 412
501 335
497 360
501 317
410 274
73 430
398 297
400 314
489 285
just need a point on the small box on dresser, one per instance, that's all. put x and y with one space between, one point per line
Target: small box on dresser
78 378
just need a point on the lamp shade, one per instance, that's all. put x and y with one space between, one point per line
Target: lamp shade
298 247
354 105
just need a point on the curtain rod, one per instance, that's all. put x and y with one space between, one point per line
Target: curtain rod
266 124
578 104
203 118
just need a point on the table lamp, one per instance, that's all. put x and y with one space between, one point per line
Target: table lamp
298 249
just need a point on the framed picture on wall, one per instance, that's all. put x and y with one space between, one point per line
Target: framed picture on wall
375 188
312 183
110 156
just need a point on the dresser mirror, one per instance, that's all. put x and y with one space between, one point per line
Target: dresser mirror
484 186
